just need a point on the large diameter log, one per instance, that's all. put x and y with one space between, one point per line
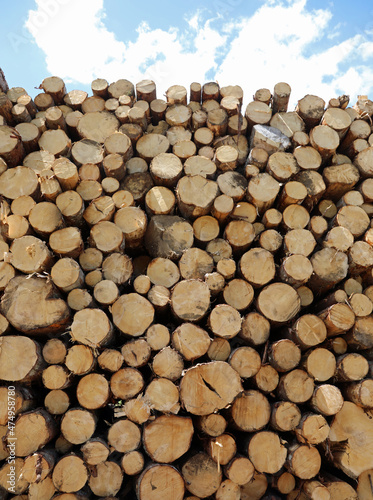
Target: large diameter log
27 353
209 387
353 456
18 306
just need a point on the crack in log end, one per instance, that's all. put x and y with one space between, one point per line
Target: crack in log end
210 387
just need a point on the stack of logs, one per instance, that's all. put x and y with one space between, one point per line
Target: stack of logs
186 294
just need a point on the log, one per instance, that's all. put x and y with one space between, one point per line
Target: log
353 457
220 385
263 461
311 109
70 474
202 475
159 481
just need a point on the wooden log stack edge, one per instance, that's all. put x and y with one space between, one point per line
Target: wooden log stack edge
186 294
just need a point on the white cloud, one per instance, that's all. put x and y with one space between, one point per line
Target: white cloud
281 41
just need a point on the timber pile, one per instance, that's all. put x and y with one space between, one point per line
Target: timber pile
187 294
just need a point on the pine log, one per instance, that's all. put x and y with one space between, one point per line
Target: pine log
353 457
70 474
160 481
266 452
311 109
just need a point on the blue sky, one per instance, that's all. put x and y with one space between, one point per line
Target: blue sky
319 47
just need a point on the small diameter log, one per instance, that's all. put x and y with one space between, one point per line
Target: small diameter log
190 341
219 379
303 461
284 355
201 475
320 364
360 337
127 317
52 315
93 391
296 270
57 402
337 119
132 463
299 242
66 242
250 411
91 327
167 437
351 367
246 361
66 274
329 269
255 329
7 473
213 425
28 366
262 191
126 383
327 400
280 99
162 395
338 318
339 179
70 474
29 255
266 380
278 302
266 452
311 109
95 451
23 400
78 425
160 481
166 169
285 416
296 386
221 449
313 429
56 377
